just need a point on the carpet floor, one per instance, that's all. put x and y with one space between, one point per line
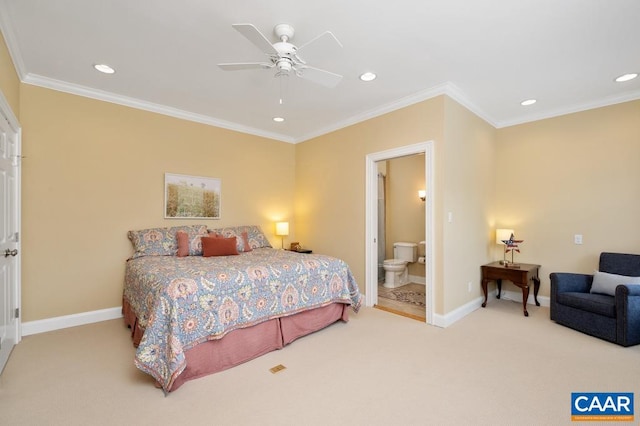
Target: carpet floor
492 367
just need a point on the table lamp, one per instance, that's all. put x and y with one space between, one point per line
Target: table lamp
282 230
501 236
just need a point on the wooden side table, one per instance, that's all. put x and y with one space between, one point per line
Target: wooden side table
520 274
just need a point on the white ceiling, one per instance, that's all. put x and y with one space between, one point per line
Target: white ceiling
489 55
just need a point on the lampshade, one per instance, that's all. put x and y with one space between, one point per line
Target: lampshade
282 228
503 234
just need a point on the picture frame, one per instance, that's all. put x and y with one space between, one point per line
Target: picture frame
191 197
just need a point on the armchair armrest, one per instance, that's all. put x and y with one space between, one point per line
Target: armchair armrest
626 290
628 314
562 282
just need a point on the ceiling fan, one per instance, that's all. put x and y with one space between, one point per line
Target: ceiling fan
284 56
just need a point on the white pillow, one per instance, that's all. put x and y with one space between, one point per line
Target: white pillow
606 283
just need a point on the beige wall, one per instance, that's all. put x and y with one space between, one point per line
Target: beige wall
9 81
467 187
574 174
404 210
330 180
330 188
94 170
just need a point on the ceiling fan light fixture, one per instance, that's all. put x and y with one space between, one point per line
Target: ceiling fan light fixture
284 56
368 76
528 102
278 119
104 68
626 77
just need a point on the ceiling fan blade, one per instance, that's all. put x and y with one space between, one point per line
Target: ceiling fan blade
256 37
322 77
322 43
245 66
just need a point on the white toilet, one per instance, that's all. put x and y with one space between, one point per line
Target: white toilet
396 273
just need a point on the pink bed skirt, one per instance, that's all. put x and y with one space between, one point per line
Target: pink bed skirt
244 344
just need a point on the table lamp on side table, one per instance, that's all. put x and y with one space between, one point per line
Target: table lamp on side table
501 236
282 230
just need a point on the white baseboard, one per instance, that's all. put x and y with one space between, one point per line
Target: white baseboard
417 280
445 321
517 296
57 323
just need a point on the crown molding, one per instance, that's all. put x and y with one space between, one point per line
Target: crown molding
611 100
447 88
378 111
10 40
75 89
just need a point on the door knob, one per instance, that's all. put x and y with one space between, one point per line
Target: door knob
8 252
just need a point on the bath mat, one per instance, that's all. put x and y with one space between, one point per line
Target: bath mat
411 293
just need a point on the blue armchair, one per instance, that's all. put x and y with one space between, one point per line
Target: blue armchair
615 316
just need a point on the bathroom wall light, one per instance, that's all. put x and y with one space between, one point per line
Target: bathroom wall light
422 194
282 230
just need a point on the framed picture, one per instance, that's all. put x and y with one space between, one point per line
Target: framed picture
191 197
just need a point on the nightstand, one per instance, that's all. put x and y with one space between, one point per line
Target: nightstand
303 250
520 274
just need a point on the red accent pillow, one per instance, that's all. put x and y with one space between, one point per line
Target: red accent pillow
216 246
183 243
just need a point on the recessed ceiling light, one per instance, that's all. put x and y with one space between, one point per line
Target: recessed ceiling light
626 77
528 102
278 119
368 76
104 68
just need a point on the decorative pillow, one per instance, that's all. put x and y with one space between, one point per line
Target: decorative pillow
606 283
183 243
255 236
243 245
245 242
161 241
216 246
189 243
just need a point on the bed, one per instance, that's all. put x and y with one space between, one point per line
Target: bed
192 315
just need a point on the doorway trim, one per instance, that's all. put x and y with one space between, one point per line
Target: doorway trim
371 233
12 305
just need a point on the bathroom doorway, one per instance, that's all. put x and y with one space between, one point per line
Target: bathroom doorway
401 231
396 204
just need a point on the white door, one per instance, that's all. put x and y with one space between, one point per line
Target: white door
9 235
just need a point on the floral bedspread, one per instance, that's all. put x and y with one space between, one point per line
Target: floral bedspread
182 301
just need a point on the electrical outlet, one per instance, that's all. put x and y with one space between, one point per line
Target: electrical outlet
577 239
